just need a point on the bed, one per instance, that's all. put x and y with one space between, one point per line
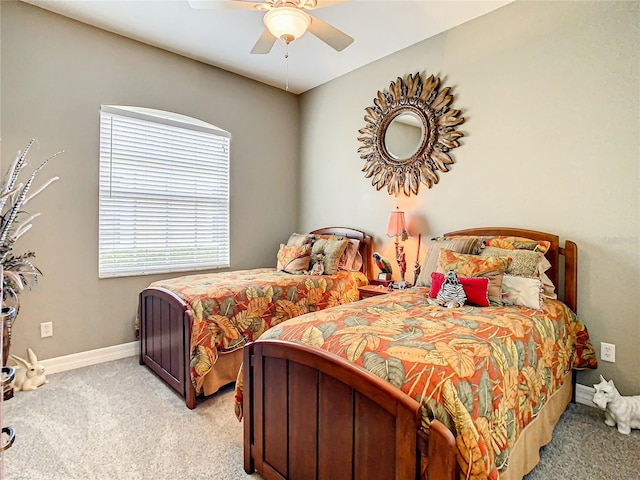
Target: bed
393 387
193 328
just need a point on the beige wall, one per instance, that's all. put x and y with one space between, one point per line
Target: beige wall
550 93
55 75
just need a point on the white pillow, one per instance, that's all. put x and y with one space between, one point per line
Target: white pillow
548 288
523 291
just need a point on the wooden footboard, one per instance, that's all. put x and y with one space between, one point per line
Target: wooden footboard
312 415
165 336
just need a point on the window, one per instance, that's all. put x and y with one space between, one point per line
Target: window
164 193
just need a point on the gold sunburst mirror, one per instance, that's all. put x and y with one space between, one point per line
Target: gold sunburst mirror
409 132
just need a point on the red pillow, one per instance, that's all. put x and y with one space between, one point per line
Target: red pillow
475 288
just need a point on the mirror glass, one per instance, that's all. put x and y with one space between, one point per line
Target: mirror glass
404 136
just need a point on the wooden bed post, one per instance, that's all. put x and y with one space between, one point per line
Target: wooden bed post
570 252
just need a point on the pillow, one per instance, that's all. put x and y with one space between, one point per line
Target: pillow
430 264
476 288
299 239
523 291
494 292
462 237
332 251
294 259
351 259
548 288
524 263
327 237
476 266
543 265
518 243
470 265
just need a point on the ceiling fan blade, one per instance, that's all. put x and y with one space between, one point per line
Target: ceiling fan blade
322 4
329 34
264 43
224 4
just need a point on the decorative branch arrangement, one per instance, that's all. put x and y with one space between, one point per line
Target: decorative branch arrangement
18 270
409 102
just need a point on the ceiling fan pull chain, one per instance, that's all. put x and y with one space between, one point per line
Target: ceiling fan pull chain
286 59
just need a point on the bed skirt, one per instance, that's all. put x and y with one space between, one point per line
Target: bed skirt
224 371
525 454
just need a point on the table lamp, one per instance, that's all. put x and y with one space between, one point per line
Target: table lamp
397 228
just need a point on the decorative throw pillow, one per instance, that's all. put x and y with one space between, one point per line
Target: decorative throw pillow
495 286
299 239
332 251
327 237
476 288
470 265
471 245
294 259
523 291
524 263
476 266
518 243
351 259
548 288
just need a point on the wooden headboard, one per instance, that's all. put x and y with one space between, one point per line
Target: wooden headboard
570 254
365 243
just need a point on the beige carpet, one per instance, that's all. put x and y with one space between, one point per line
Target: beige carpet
117 420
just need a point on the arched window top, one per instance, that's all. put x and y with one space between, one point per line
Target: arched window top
162 116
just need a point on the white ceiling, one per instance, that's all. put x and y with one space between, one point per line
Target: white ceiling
224 38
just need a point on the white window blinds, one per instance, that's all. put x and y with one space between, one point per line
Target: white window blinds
164 193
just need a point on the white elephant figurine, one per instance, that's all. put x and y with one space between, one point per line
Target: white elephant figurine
31 374
623 411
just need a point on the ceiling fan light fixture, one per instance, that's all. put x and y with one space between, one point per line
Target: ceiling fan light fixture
287 23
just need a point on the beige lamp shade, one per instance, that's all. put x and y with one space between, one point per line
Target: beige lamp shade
397 227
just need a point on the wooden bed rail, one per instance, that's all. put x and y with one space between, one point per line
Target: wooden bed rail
350 423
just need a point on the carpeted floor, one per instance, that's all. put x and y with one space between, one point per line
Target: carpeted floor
117 420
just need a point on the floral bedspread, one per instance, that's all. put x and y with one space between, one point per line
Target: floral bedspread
484 372
233 308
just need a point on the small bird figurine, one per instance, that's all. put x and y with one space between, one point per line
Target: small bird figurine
382 263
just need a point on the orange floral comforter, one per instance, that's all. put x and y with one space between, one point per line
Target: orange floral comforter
233 308
483 372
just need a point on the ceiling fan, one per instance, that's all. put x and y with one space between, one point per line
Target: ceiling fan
286 20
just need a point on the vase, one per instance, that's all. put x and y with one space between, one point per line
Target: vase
8 316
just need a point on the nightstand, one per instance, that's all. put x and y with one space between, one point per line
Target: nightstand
372 291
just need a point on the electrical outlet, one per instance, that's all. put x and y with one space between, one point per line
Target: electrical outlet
607 352
46 329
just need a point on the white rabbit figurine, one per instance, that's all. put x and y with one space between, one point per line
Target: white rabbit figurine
31 375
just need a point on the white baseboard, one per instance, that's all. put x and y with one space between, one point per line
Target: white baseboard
584 395
90 357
